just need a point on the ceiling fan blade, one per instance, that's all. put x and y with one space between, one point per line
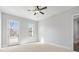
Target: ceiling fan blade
34 13
41 12
43 8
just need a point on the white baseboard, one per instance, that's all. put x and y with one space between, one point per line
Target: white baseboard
59 45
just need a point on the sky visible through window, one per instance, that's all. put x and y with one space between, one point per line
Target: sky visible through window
13 24
30 25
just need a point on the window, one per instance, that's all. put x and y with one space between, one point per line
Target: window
30 29
13 31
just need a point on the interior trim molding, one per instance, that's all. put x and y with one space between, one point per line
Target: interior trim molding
58 45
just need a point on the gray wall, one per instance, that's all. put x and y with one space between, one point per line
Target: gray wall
76 29
58 29
24 36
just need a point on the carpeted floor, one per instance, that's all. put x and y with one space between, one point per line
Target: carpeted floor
35 47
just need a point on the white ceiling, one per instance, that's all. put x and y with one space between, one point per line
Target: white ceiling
22 11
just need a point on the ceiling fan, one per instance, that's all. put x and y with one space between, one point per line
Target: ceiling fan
38 9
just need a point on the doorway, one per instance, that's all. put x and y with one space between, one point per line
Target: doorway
76 33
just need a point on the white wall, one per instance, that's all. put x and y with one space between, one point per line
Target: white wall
23 37
58 29
0 29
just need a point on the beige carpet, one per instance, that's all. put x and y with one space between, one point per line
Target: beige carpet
35 47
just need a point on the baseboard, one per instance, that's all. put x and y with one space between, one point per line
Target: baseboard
59 45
